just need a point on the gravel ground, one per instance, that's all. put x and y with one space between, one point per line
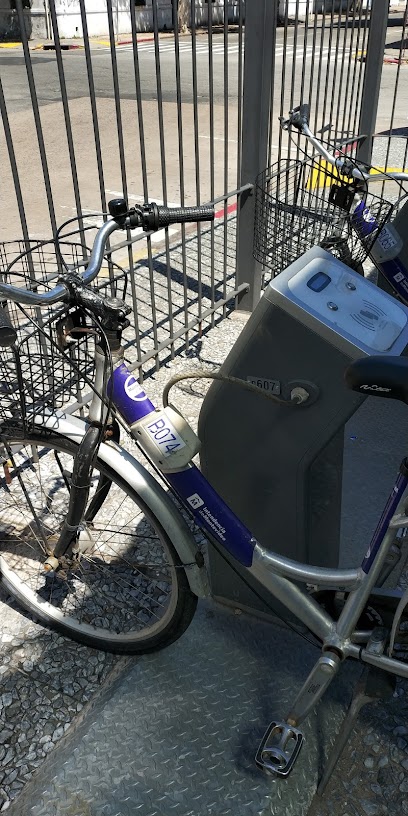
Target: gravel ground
46 682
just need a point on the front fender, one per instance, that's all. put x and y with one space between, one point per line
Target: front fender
150 491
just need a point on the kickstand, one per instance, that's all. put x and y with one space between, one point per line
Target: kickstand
373 685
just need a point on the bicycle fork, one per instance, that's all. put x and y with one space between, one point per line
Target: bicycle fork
80 482
78 496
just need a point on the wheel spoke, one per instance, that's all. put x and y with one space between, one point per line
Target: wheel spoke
124 581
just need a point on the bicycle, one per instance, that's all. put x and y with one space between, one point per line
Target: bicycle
328 203
94 546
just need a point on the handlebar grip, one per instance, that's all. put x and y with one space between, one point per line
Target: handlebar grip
184 215
304 113
298 117
8 334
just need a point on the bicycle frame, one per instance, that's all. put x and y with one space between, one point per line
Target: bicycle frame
279 575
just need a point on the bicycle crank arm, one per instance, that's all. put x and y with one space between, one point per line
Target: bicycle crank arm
279 748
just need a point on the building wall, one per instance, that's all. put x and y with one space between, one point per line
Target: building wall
70 26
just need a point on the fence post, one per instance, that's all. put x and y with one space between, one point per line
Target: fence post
260 35
372 76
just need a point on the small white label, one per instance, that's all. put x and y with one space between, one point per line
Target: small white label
272 386
398 277
165 436
386 240
387 245
195 501
133 390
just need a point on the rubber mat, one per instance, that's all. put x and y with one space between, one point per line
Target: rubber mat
177 731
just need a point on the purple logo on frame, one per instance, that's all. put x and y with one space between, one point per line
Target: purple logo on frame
128 395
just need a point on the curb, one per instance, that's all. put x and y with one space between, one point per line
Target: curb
395 61
50 46
387 60
68 47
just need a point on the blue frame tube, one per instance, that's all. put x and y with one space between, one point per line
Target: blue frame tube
207 507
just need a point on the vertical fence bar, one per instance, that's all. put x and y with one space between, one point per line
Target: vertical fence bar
181 163
197 153
239 90
116 91
164 180
326 81
357 109
142 144
162 164
315 105
282 80
67 118
395 95
312 67
212 152
36 113
260 21
294 50
226 156
336 113
239 124
303 70
13 165
372 76
305 54
92 99
352 61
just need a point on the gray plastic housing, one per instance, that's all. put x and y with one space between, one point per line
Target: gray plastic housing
280 468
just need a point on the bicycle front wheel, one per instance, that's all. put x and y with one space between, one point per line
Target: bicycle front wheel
122 588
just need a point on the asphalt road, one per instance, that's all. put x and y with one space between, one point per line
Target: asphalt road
47 83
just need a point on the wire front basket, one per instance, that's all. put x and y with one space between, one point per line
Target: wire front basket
52 365
301 204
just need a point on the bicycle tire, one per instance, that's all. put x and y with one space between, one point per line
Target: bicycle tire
112 598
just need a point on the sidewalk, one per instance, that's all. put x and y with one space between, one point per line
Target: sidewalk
94 42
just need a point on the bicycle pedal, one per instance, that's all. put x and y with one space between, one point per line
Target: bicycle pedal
279 748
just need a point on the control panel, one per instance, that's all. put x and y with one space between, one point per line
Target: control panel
345 301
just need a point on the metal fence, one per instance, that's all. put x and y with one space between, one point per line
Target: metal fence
180 119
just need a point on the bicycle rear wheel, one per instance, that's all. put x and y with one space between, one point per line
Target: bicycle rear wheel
125 590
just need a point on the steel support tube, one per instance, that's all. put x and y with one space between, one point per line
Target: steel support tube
372 77
260 23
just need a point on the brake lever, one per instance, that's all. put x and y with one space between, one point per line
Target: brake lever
284 123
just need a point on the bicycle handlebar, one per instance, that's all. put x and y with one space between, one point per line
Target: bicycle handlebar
150 217
299 118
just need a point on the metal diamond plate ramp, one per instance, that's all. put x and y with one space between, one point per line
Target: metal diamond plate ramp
177 731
